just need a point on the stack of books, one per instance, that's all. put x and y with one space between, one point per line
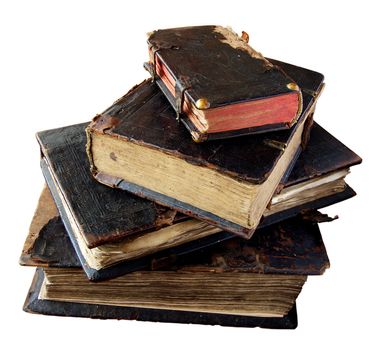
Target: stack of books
193 198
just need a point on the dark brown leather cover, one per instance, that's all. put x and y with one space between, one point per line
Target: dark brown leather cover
46 307
293 246
199 57
323 154
144 117
50 247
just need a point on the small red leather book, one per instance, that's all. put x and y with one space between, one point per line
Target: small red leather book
219 85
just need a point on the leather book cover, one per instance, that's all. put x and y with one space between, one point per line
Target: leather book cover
144 119
104 214
64 149
293 246
57 308
209 72
323 154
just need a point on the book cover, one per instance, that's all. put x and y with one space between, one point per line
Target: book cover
293 246
223 87
136 145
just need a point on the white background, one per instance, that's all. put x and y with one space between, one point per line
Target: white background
63 62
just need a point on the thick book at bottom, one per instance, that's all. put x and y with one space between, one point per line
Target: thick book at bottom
57 308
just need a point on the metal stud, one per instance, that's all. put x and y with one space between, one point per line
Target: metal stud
293 86
202 103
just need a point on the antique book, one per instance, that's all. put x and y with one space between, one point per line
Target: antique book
258 294
222 85
265 273
136 145
115 232
48 244
33 304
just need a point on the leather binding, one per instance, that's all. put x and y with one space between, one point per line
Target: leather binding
56 308
64 149
105 214
293 246
144 117
201 65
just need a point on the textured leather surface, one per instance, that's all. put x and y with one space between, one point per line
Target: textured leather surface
34 305
52 247
323 154
293 246
103 214
197 57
